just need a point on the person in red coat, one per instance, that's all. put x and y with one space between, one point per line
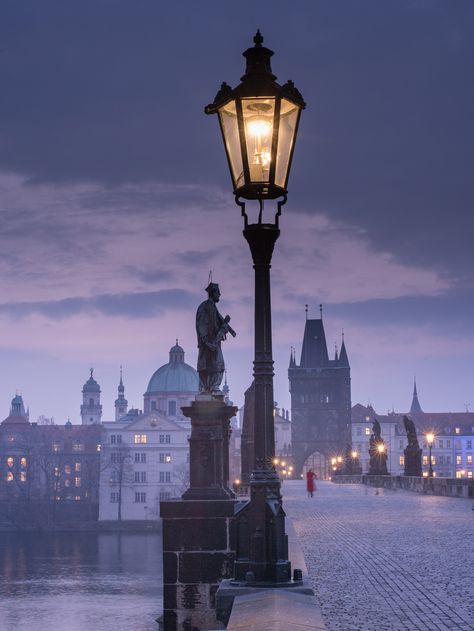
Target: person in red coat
310 484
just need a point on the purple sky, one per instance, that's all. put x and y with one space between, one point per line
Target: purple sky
116 200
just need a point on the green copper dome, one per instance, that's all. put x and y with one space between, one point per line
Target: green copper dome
91 384
175 376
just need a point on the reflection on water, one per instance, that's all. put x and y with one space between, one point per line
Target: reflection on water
80 581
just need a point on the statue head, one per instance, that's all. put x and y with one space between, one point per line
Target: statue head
213 291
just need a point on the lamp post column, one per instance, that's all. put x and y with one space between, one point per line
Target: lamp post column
430 469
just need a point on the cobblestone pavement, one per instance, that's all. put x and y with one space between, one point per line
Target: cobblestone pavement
386 560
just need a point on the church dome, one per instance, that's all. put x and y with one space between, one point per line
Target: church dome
91 384
175 376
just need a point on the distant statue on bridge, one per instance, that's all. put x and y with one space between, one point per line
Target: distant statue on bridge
211 329
412 450
377 451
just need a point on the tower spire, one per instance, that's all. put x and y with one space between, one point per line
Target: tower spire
415 404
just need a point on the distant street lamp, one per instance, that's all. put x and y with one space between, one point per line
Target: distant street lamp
259 120
430 440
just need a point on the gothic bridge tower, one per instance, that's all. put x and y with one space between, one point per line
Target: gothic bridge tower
320 391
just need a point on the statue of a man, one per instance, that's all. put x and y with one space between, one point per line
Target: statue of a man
211 329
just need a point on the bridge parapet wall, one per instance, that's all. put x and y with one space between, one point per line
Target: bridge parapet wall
450 487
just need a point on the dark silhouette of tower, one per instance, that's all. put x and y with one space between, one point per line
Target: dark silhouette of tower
320 397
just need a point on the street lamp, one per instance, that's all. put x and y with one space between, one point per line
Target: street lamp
259 120
430 440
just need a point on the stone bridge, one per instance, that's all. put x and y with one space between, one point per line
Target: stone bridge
383 559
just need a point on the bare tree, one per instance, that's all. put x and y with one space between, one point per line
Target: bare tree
118 462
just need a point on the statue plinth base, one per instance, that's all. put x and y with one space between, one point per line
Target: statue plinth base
209 448
413 461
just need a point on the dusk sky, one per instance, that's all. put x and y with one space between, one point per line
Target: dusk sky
116 200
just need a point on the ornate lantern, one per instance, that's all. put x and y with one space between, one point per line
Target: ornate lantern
259 121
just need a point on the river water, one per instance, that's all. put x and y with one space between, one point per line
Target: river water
80 581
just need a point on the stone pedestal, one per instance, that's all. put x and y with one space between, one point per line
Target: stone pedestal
209 448
198 552
413 461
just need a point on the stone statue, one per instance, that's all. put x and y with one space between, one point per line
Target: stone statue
211 329
412 450
377 451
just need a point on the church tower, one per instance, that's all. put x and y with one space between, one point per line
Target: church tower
121 403
415 404
91 409
320 391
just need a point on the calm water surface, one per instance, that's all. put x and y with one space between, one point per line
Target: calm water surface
80 582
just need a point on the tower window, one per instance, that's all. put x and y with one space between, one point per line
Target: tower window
91 403
153 405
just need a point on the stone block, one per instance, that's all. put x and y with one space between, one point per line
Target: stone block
170 567
205 567
202 534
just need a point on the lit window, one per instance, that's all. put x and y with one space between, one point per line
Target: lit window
458 459
67 469
77 447
168 458
10 462
469 475
458 474
77 497
457 430
367 431
55 447
22 476
77 467
140 439
469 458
425 459
99 447
402 460
9 476
77 481
23 462
56 471
433 459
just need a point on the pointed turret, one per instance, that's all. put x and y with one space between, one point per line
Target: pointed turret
292 358
336 355
415 404
121 403
343 359
314 353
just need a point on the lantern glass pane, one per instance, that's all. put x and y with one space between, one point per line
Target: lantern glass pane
258 117
230 131
288 121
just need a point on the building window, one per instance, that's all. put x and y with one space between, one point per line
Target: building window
367 431
77 467
448 459
114 457
140 476
458 459
9 476
77 481
140 439
55 447
56 472
23 463
114 497
164 495
401 444
153 405
469 475
22 476
458 474
77 447
10 462
67 469
448 444
67 483
457 430
401 460
469 458
441 444
113 439
469 444
143 457
137 457
425 459
140 497
440 459
171 408
359 431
